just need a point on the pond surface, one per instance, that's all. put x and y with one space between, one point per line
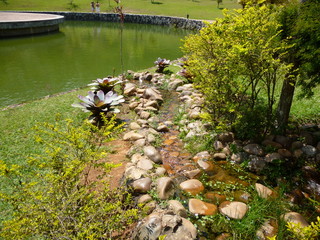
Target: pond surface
33 67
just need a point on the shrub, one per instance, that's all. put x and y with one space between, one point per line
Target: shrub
54 198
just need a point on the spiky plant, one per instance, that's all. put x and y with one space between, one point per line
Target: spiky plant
106 84
99 102
161 64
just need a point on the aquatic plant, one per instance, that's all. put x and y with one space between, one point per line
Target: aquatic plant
105 84
99 102
161 64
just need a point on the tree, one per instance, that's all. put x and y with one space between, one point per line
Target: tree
236 59
301 25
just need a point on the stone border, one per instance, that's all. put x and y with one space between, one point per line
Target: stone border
178 22
14 24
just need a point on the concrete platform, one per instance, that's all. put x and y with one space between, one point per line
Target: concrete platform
14 24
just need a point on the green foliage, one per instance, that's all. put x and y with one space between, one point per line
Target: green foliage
310 232
54 198
72 6
237 59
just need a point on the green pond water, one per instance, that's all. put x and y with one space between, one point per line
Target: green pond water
34 67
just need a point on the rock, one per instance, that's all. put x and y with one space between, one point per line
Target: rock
174 84
226 137
254 149
173 227
223 236
152 153
130 91
202 155
145 198
235 210
132 136
285 153
192 173
296 145
142 185
135 173
145 115
145 164
241 196
256 164
177 208
219 156
272 156
273 144
194 114
162 128
198 207
297 218
152 94
215 197
134 126
177 228
151 138
160 171
205 165
268 230
140 142
226 150
218 145
150 229
283 140
308 138
135 158
165 188
309 151
297 153
152 103
133 105
263 191
142 122
136 76
239 157
192 186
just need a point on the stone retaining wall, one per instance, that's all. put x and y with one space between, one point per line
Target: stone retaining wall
135 18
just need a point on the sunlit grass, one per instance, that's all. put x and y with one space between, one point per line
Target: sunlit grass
196 9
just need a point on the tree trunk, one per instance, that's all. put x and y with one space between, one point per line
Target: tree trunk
285 102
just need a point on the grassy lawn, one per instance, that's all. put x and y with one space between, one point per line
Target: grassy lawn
197 9
17 140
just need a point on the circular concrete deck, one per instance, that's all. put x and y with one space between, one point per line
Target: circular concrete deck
17 24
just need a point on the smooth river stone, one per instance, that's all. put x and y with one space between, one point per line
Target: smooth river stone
235 210
177 208
215 197
132 136
297 218
145 164
142 185
196 206
192 186
263 191
205 165
152 153
165 187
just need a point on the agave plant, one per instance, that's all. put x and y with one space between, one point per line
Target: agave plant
99 102
161 64
106 84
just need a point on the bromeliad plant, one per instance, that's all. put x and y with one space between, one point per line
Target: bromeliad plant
99 103
161 64
106 84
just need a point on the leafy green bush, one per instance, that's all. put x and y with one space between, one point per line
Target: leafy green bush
237 60
54 198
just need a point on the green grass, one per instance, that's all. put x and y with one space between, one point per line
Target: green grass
306 110
17 141
197 9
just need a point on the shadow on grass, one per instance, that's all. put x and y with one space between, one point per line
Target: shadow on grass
157 3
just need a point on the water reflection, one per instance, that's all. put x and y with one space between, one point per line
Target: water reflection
32 67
